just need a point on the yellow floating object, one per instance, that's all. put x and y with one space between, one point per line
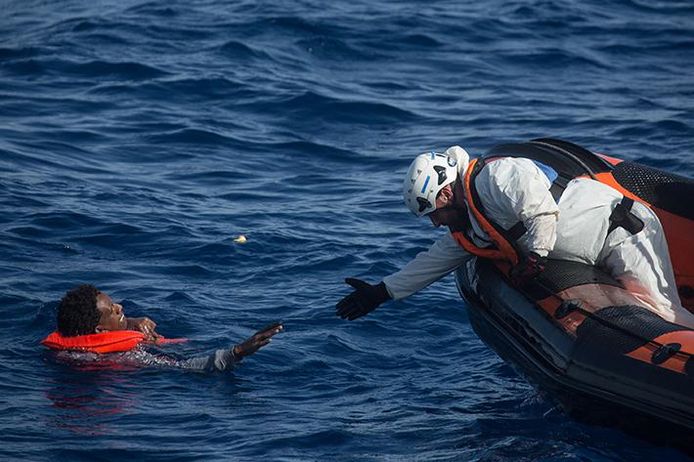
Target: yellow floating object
241 239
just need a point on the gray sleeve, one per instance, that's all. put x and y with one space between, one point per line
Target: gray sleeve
220 360
429 266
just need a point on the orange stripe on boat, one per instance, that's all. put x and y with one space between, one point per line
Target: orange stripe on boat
676 362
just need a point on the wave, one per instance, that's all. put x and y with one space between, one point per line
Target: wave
329 48
312 104
421 40
293 24
195 136
155 9
120 70
312 150
8 54
89 70
238 50
552 58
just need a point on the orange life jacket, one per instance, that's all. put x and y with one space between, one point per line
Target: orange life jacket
104 342
503 249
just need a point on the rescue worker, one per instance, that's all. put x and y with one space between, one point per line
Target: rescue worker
514 194
85 310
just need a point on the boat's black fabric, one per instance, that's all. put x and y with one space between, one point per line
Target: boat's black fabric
561 274
667 191
567 159
595 163
621 329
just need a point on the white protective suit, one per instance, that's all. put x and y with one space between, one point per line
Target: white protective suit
510 189
640 262
515 189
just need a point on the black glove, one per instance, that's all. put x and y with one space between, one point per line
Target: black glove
362 301
531 265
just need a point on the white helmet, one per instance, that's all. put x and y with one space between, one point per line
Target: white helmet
428 174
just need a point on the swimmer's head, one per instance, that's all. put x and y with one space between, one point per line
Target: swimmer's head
84 310
77 313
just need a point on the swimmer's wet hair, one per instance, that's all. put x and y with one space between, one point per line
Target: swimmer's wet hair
77 313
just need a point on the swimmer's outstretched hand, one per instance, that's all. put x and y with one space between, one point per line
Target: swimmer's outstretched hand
257 341
146 326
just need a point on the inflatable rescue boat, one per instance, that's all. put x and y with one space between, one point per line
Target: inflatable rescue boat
576 332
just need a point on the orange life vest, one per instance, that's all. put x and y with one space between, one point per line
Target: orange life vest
104 342
503 249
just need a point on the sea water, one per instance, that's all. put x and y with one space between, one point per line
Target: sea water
139 139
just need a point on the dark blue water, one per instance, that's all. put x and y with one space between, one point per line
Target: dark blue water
138 138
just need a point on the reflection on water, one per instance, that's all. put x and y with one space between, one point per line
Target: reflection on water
85 397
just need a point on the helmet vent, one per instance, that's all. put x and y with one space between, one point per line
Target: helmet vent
441 172
423 204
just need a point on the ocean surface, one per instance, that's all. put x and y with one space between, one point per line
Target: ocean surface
138 139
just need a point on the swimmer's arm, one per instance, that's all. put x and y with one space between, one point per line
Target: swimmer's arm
257 340
224 359
220 360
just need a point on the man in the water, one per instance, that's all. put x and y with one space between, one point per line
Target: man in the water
85 310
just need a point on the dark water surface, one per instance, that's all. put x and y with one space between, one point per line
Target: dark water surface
137 139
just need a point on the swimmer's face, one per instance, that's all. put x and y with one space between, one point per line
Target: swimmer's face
112 316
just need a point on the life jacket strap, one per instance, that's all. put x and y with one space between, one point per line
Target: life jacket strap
557 188
516 231
622 217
